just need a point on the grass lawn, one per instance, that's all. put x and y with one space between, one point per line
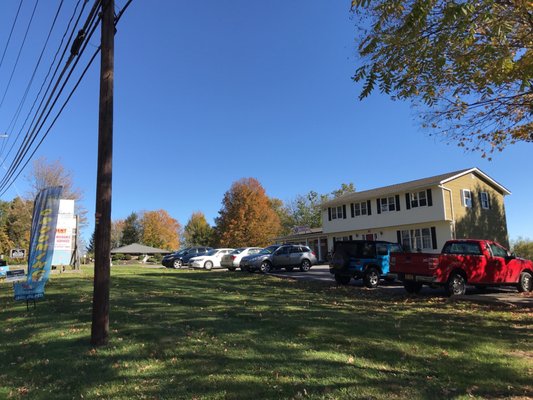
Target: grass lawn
217 335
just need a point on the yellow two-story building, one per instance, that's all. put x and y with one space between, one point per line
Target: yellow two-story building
422 214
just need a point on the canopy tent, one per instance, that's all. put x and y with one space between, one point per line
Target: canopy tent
136 248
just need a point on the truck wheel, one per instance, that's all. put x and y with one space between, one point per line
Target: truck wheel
265 267
342 279
412 286
456 285
525 282
371 278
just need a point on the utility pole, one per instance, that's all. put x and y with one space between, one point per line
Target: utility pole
102 239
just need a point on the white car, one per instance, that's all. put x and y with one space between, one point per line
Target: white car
233 259
209 260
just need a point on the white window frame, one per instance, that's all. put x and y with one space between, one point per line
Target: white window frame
417 238
417 198
467 200
388 205
485 203
363 208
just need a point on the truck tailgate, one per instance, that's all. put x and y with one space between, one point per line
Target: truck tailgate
414 263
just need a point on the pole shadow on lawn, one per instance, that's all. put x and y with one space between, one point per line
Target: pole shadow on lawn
180 334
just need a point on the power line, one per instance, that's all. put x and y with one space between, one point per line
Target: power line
23 100
20 51
37 126
50 70
11 33
77 49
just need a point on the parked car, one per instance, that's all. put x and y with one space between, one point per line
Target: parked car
362 259
280 256
181 258
232 260
461 262
209 260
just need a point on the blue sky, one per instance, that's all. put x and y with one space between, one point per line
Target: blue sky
210 92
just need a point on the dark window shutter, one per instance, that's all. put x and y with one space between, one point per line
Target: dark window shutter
397 197
352 209
378 205
430 199
399 237
473 198
490 202
329 213
408 201
434 237
344 211
351 237
369 207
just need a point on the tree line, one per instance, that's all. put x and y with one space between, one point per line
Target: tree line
248 217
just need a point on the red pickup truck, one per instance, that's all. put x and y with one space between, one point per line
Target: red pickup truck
474 262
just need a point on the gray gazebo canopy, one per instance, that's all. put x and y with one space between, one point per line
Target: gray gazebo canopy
136 248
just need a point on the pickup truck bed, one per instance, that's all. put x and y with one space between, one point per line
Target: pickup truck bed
462 262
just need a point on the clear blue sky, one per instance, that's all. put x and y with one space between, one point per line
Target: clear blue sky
209 92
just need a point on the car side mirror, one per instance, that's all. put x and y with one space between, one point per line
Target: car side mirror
511 256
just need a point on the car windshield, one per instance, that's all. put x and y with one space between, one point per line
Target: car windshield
181 252
211 252
268 250
238 251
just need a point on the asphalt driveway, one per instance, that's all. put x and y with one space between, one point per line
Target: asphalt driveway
496 295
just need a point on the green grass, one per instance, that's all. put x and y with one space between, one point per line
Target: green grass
215 335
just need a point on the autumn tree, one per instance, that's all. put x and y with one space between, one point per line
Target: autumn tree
198 232
44 174
160 230
18 222
284 214
468 64
523 247
305 210
117 229
131 230
246 217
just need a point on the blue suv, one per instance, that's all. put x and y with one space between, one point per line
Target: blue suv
362 259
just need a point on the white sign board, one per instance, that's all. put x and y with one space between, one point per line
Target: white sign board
65 231
17 253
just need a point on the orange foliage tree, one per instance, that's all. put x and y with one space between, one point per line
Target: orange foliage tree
246 217
160 230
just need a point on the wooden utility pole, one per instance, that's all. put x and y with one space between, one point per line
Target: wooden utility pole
102 237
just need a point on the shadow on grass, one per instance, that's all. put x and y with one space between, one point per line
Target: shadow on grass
177 334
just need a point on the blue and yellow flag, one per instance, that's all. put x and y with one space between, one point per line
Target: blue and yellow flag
43 233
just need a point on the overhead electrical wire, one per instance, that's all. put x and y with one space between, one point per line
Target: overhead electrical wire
48 73
41 111
78 47
19 53
11 33
28 86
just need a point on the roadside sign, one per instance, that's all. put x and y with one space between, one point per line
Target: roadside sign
15 275
17 253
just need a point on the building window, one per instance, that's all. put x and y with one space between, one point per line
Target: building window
388 204
360 208
484 196
419 199
336 212
416 239
467 198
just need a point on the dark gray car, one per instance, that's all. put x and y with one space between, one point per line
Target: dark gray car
288 256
